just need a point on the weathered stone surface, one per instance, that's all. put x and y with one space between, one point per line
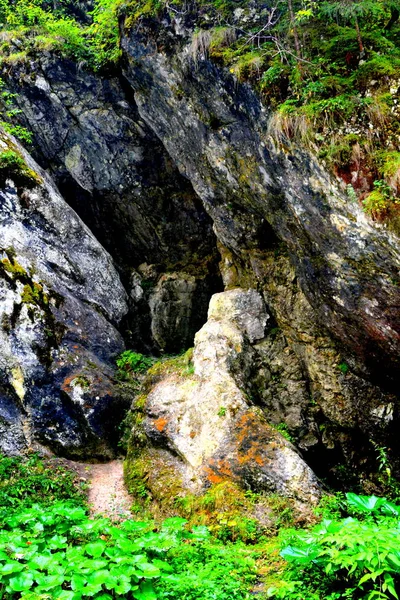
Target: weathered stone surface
330 407
60 302
217 133
206 421
178 309
116 174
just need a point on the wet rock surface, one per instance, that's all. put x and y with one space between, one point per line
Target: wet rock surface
61 301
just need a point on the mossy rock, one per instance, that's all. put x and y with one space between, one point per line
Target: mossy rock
13 166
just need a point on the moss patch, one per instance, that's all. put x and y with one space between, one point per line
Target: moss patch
13 166
180 365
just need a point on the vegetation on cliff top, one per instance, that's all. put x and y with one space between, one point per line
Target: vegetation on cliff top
331 70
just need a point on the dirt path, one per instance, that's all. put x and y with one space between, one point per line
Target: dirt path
106 491
107 494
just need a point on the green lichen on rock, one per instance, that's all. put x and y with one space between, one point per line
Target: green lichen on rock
33 294
36 299
13 267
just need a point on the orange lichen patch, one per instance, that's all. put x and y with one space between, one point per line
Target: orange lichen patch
66 385
192 434
160 424
211 476
218 471
251 440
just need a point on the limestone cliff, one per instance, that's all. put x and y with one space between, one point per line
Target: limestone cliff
172 188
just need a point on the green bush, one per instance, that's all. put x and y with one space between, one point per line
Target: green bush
354 557
13 166
26 481
133 362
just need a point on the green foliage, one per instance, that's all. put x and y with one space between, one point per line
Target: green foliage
10 112
59 553
381 200
353 557
130 362
182 364
104 33
229 512
25 481
21 133
13 166
343 368
284 431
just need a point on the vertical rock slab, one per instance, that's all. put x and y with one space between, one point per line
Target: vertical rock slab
61 300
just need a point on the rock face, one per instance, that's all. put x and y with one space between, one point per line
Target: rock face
114 172
176 307
170 168
217 134
328 275
204 428
61 301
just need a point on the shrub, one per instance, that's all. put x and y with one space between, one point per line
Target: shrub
26 481
133 362
13 166
355 557
380 201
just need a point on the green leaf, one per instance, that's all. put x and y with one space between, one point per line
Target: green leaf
99 577
56 542
11 567
174 524
201 532
364 503
67 595
145 592
41 561
48 582
300 555
90 564
149 570
21 582
95 549
388 508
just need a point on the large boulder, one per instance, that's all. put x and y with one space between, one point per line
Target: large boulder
61 301
202 427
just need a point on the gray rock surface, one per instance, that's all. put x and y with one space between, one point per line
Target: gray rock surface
61 300
177 309
114 172
216 131
203 426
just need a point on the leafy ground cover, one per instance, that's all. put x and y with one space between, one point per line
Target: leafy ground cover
60 553
25 481
356 556
50 549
